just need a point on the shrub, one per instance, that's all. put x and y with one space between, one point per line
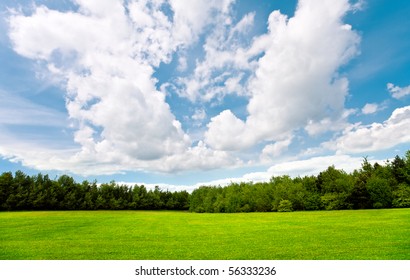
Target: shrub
377 205
285 206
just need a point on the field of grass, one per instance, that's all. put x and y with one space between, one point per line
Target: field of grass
116 235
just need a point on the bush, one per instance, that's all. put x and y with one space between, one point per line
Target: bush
377 205
285 206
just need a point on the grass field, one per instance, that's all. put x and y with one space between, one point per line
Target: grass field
116 235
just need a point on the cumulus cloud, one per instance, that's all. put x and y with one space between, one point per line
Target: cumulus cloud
398 92
104 55
111 94
226 60
276 149
296 81
226 132
199 157
190 18
376 136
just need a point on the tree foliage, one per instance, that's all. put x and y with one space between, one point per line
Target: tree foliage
371 186
22 192
285 206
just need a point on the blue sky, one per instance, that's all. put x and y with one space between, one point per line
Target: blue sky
179 93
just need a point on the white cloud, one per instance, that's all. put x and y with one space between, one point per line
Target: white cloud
121 121
67 158
244 24
359 5
314 128
162 186
377 136
293 168
370 108
105 54
398 92
296 82
315 165
225 62
191 17
199 157
274 150
199 115
182 64
226 132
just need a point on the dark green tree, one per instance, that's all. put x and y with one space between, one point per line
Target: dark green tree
401 196
380 192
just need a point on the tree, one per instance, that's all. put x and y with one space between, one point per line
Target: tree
143 198
232 198
181 200
380 192
333 180
19 195
407 167
372 186
281 186
359 196
6 180
335 186
100 202
401 196
398 166
153 199
312 199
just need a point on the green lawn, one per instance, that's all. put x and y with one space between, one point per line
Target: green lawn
364 234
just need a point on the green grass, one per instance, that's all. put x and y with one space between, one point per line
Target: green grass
324 235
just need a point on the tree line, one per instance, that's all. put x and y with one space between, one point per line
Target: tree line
22 192
371 186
